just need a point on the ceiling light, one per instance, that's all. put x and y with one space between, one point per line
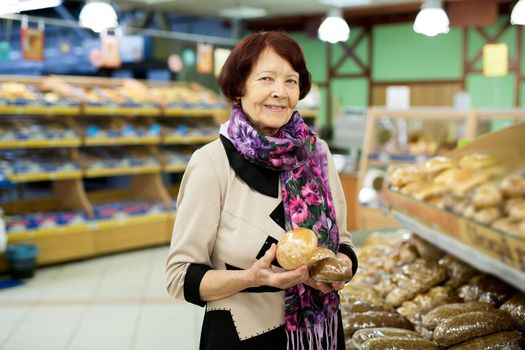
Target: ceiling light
432 19
518 13
98 16
243 12
334 28
15 6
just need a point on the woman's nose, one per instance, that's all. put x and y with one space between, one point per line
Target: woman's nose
278 90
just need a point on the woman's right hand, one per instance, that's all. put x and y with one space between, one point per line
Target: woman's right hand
263 273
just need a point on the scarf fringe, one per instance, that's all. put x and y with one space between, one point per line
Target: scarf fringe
322 336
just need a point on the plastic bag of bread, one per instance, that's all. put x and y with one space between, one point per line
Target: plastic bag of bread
374 319
515 306
458 272
470 325
395 343
415 309
331 270
295 248
415 279
425 249
363 335
488 289
506 340
444 312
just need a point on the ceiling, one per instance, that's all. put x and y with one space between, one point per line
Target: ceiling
274 8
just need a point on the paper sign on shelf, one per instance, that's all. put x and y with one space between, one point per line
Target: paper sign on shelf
204 58
32 40
495 60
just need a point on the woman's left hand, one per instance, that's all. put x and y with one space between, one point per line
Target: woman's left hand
328 287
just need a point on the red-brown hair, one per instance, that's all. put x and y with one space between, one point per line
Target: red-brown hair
243 57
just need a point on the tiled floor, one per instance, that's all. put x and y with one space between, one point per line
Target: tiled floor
116 302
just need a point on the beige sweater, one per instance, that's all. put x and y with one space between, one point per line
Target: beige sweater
221 220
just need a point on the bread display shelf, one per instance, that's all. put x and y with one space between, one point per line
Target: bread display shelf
191 112
51 143
188 140
490 240
114 141
174 168
121 111
51 176
122 171
39 110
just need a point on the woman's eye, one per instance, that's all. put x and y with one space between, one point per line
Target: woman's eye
265 78
292 82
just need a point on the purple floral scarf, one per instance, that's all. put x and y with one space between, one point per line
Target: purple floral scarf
310 316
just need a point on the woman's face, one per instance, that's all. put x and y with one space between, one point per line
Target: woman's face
271 93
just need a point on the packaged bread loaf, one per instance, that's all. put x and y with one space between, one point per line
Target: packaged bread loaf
444 312
295 248
374 319
415 279
488 289
470 325
394 343
458 272
505 340
425 250
515 306
363 335
331 270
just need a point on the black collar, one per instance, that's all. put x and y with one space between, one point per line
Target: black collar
263 180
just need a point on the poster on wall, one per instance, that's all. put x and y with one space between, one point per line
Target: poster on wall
110 49
204 58
32 40
495 60
219 57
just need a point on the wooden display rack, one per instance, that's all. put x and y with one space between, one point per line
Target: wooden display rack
369 218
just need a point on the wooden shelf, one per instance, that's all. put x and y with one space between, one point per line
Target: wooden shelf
121 111
174 168
191 112
189 140
64 175
113 141
50 143
122 171
464 251
39 110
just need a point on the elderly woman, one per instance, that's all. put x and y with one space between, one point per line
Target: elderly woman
267 173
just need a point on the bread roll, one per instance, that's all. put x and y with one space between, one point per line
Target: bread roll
438 164
477 161
487 195
513 186
487 215
406 174
517 211
296 247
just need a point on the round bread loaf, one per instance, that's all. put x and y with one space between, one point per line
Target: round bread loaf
296 247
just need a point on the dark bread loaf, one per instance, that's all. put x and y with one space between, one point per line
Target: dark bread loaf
471 325
488 289
441 313
506 340
374 319
515 306
363 335
393 343
331 270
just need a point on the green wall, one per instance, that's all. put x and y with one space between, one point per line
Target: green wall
400 55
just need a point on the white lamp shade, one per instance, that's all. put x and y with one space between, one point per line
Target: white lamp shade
431 22
334 28
98 16
518 13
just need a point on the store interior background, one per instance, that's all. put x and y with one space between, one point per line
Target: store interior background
351 80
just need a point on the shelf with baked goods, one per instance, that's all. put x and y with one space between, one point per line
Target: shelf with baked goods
396 137
119 160
30 165
175 159
470 203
